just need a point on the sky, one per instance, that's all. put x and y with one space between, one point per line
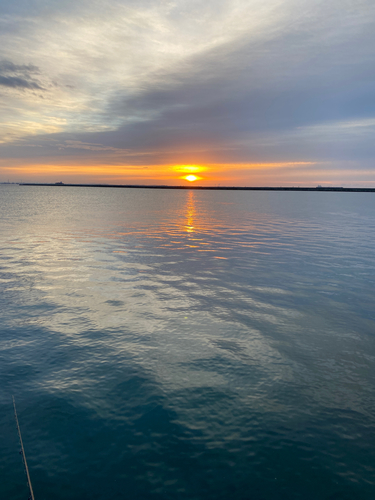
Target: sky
234 92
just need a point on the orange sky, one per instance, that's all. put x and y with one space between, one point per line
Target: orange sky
247 174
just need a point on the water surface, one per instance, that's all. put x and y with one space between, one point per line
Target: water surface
187 344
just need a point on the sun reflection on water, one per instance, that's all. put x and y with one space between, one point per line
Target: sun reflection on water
190 212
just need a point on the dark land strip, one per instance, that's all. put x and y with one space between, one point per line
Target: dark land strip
215 188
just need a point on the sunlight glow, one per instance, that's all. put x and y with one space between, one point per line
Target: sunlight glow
191 178
188 169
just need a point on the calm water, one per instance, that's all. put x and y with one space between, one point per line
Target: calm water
187 345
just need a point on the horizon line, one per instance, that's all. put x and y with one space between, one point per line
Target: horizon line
212 188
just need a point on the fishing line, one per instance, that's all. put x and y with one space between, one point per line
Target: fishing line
31 497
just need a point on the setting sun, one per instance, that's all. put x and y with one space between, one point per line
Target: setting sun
191 178
189 173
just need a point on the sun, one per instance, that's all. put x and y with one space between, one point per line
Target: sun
191 178
189 173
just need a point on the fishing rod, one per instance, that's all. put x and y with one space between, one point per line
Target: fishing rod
31 497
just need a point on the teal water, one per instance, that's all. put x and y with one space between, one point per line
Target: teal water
187 345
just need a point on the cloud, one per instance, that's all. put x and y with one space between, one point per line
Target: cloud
14 68
17 82
19 76
190 81
89 146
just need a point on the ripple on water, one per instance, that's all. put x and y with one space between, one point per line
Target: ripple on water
187 344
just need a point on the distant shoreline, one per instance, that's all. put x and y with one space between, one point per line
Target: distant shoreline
207 188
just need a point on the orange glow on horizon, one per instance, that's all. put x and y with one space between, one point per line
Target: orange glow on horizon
189 169
94 170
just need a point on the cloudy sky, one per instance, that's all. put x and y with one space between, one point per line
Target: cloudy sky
238 92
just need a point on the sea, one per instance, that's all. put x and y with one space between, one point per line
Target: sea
187 345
